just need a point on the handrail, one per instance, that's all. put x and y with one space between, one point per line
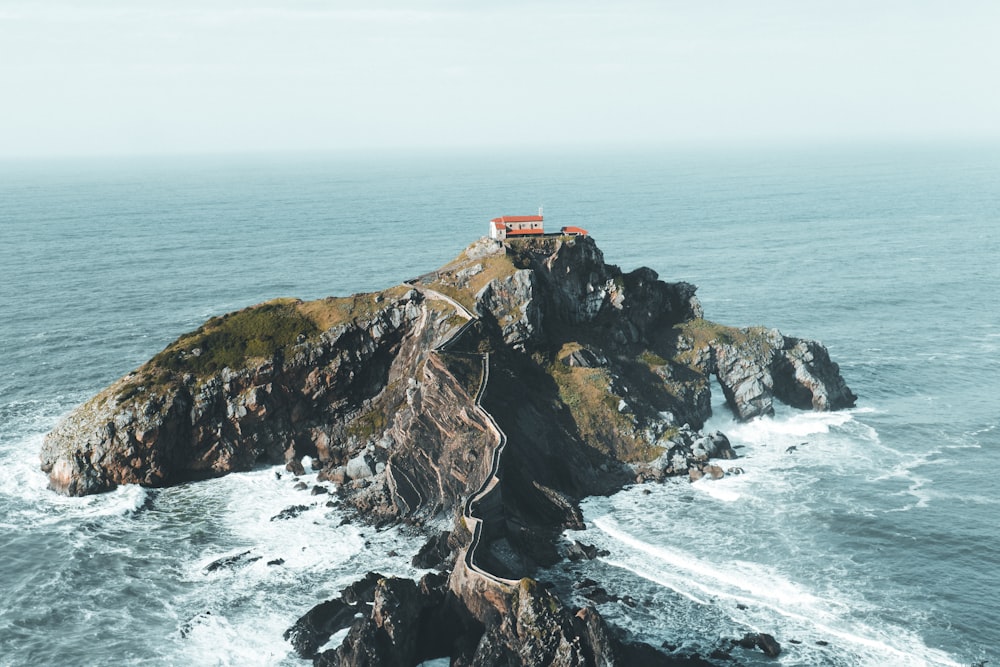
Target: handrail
493 478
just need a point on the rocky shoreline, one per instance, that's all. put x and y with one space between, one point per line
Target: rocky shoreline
488 398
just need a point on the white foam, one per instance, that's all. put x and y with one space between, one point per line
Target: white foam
720 489
290 564
735 576
213 639
336 639
757 587
34 503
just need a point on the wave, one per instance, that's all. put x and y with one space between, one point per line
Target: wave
216 570
759 598
788 546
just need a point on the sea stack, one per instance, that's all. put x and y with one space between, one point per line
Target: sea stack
488 396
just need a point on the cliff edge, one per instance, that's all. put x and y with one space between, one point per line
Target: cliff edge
491 394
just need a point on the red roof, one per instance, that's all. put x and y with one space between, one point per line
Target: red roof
574 230
517 218
497 224
522 232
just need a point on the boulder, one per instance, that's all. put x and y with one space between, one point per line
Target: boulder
359 467
806 377
577 550
435 553
405 624
763 641
316 626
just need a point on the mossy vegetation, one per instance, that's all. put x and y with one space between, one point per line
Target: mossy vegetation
228 341
652 359
463 288
586 392
258 332
703 332
331 311
369 424
699 333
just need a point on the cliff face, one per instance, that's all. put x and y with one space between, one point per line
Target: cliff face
340 394
583 377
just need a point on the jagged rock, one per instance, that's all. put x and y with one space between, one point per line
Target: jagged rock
290 512
806 377
405 624
317 626
599 595
763 641
589 371
714 471
227 562
768 645
335 474
603 647
584 358
434 553
162 425
577 550
755 366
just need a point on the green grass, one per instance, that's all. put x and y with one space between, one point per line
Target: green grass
228 341
652 359
369 424
703 331
586 392
464 290
263 331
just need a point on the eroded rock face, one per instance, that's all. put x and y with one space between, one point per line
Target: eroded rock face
385 416
401 622
566 283
269 409
594 378
763 365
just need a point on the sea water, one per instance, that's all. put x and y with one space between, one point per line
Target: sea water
868 536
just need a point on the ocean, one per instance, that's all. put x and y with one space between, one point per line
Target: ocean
869 536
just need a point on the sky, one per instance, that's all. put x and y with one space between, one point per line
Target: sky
138 77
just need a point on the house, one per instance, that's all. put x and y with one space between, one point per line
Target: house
515 226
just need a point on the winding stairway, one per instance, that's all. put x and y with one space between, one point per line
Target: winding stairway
471 510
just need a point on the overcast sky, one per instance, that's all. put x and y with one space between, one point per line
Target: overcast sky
179 76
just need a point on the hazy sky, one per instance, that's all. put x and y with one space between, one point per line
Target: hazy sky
175 76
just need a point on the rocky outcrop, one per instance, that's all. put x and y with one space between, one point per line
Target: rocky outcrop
401 622
689 455
756 366
559 283
359 397
493 394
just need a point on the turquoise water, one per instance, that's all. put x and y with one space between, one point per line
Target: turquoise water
878 536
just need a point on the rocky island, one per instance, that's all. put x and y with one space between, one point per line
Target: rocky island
477 403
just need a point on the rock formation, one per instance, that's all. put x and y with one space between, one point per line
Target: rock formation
493 393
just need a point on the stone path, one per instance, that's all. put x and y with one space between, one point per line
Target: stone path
492 481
